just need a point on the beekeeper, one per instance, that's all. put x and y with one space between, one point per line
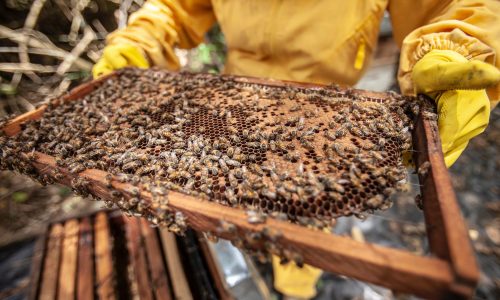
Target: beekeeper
448 51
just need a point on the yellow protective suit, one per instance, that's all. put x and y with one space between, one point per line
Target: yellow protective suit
313 41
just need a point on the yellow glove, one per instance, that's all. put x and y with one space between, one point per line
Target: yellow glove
458 87
119 56
293 281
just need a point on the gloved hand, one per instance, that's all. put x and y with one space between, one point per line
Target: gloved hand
293 281
119 56
458 87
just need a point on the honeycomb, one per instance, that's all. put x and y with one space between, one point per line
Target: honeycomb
308 155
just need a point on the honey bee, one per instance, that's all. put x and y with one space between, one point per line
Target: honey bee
423 169
58 176
76 168
375 201
298 259
189 184
340 132
419 202
292 156
250 194
356 131
32 156
339 148
294 108
132 166
339 118
377 155
80 185
403 186
381 181
226 227
233 182
233 162
223 165
232 130
335 186
205 189
351 148
430 115
253 144
180 220
230 151
330 135
231 196
107 179
308 145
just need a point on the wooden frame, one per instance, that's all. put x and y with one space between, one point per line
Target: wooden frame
74 259
450 271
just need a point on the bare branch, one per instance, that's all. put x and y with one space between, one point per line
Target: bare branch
88 37
25 103
78 19
40 41
123 13
25 68
29 24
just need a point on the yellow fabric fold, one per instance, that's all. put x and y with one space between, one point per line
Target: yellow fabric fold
458 87
470 28
294 281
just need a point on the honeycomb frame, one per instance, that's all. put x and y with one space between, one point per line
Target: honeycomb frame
451 271
308 155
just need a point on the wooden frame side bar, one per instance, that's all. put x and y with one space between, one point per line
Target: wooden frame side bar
446 231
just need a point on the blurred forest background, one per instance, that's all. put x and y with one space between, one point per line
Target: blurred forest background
49 46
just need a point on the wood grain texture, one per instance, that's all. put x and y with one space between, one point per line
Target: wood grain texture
39 253
51 264
69 258
103 259
137 256
178 278
447 234
85 280
159 277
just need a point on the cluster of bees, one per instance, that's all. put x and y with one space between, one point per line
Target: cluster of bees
307 155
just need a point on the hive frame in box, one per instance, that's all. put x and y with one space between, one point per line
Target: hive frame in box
450 271
73 259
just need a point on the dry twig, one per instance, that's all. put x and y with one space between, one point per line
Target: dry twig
88 37
123 13
41 43
29 24
26 68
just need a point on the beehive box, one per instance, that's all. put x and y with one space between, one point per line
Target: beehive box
108 256
243 158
